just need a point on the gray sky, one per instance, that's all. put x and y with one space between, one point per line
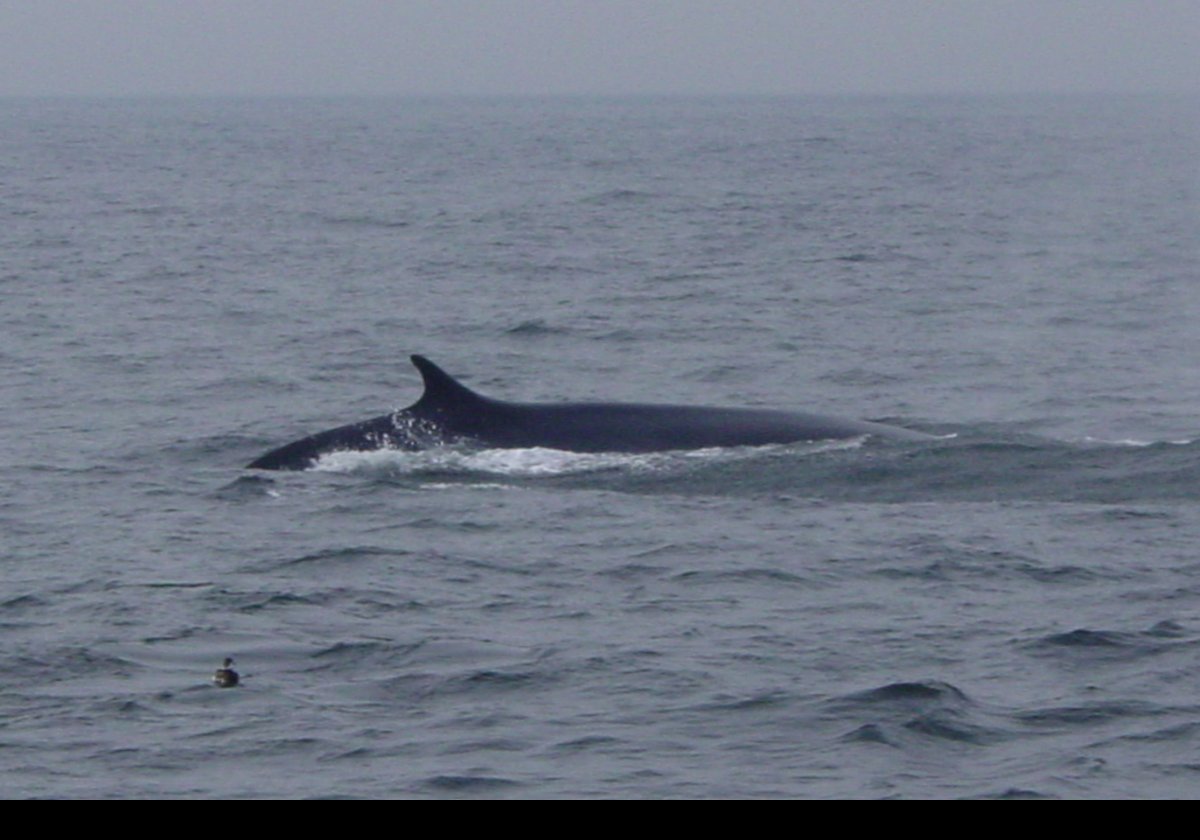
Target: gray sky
596 46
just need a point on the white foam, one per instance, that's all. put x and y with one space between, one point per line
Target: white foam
536 462
506 462
1132 442
352 461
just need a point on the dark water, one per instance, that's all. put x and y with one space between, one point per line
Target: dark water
1013 610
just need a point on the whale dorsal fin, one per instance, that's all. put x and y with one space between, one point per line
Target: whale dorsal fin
442 391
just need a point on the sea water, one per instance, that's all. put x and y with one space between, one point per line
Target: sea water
1010 610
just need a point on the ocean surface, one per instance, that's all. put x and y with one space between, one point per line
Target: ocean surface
1011 610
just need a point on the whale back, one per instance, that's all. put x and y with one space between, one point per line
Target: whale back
449 412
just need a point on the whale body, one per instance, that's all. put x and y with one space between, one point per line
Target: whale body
450 413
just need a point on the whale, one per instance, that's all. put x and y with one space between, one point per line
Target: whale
450 413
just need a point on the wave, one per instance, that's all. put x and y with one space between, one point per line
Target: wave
956 467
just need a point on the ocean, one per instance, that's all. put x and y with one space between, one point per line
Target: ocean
1011 610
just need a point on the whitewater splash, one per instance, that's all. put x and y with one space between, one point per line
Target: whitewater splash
538 462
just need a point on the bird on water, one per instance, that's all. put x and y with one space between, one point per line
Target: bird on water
226 677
